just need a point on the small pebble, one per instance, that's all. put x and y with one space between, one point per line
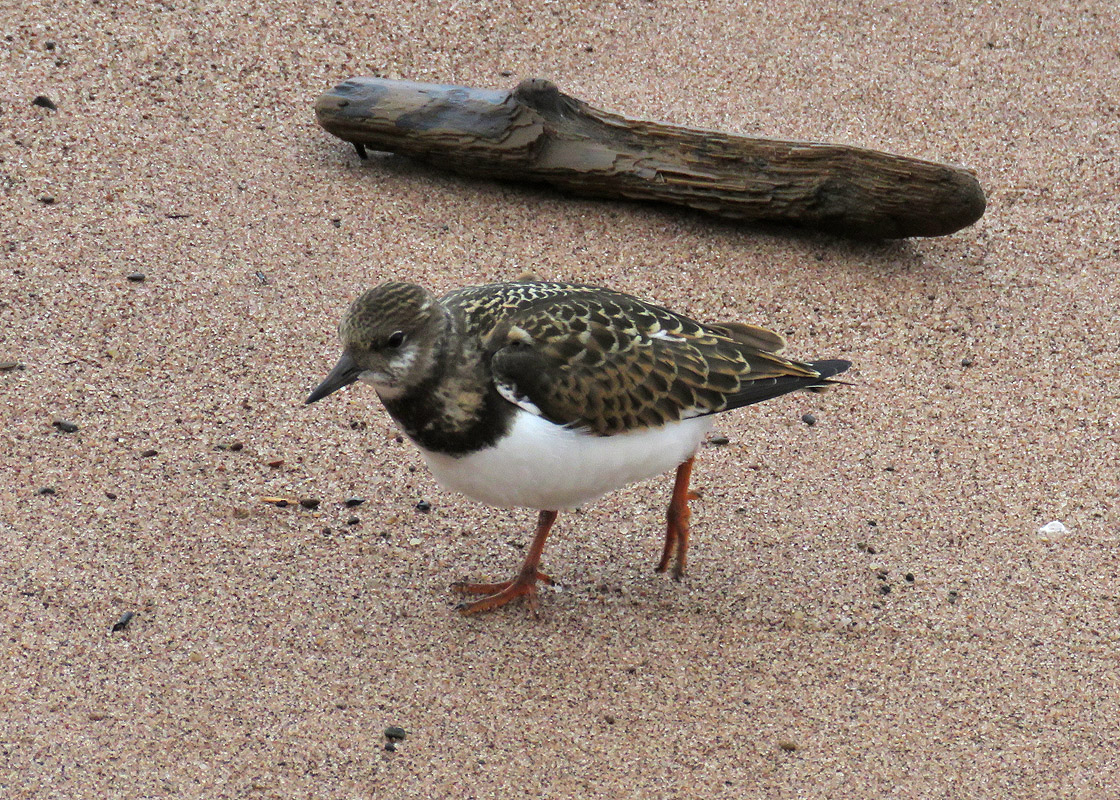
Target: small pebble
47 200
966 362
276 463
137 277
46 490
788 746
423 506
953 595
353 521
809 419
391 747
122 623
9 365
111 495
43 101
310 503
395 733
415 542
149 453
885 589
64 426
352 502
1051 528
716 441
909 577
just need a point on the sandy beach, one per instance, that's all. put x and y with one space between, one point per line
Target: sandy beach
872 607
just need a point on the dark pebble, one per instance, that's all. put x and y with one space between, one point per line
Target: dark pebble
395 733
44 102
953 595
966 362
236 447
353 521
149 453
718 440
64 426
8 365
310 503
354 502
47 200
111 495
137 277
423 506
808 419
391 747
884 589
337 222
122 623
909 577
46 490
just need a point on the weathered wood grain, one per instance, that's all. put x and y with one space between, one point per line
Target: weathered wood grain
537 133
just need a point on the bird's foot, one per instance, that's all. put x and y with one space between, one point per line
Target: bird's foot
498 594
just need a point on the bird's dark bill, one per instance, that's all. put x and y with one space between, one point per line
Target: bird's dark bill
345 372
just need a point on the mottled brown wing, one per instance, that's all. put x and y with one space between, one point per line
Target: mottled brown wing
608 362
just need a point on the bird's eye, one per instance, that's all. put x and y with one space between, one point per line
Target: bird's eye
395 340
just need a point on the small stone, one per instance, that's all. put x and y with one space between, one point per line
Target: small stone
395 733
46 490
953 595
353 521
136 277
275 463
415 542
43 101
353 502
609 719
5 366
122 623
885 589
111 495
1052 528
236 447
97 716
310 503
391 747
788 746
149 453
195 657
809 419
966 362
423 506
717 441
909 577
47 200
64 426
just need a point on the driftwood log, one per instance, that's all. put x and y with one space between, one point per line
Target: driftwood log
537 133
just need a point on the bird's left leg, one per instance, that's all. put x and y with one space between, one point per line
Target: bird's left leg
525 584
676 533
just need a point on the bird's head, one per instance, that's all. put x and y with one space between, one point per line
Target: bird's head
390 336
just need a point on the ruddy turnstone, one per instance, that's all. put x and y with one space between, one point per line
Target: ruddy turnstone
547 395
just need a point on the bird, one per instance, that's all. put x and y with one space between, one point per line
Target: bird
547 395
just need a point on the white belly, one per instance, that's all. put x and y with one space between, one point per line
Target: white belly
545 466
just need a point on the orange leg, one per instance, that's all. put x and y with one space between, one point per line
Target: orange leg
676 533
498 594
